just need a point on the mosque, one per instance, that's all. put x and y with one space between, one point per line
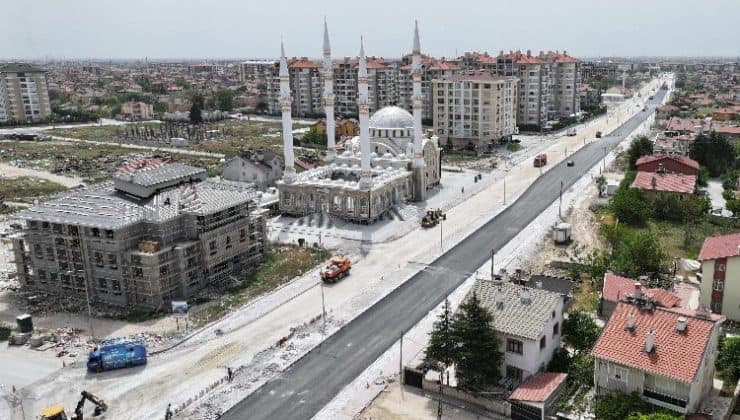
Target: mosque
390 162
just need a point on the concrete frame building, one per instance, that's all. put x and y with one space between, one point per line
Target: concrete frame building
24 94
388 163
474 108
256 70
159 232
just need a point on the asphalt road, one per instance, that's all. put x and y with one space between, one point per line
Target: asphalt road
304 388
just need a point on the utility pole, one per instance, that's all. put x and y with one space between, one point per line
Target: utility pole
89 308
493 253
441 248
560 203
505 172
323 307
400 361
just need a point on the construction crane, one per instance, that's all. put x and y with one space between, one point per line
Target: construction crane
56 412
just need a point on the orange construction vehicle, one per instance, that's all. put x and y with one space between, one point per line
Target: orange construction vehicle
337 268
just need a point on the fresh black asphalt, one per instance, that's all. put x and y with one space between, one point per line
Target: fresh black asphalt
304 388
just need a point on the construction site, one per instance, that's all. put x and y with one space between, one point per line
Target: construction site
160 231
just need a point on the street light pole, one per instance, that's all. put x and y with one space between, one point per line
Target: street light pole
441 248
323 308
493 253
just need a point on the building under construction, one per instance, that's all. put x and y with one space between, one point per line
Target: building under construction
160 231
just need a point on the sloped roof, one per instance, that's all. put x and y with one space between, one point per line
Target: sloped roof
539 387
720 247
514 317
684 160
666 182
617 288
676 355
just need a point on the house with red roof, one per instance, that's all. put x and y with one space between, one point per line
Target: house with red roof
673 163
618 289
666 357
720 268
664 182
535 397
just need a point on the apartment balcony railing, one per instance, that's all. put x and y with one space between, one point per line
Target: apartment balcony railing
669 399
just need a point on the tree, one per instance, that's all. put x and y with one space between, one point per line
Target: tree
733 206
581 369
601 184
196 109
629 206
728 361
703 177
560 361
478 360
640 146
313 136
619 405
224 99
580 331
160 107
441 341
638 253
661 415
261 106
714 152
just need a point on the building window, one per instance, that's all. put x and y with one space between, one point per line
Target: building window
716 306
556 329
243 233
514 346
720 267
113 261
718 285
617 373
212 247
164 270
103 283
95 232
228 242
514 372
543 342
42 275
137 272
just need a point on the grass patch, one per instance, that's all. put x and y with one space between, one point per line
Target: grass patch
106 133
586 298
282 264
456 157
672 236
26 188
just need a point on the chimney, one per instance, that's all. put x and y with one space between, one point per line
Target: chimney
504 274
499 299
650 342
630 324
638 291
525 296
565 52
539 284
542 53
529 53
681 324
501 53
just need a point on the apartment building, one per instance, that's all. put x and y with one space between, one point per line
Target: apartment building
255 70
24 95
720 267
137 110
534 77
305 84
474 109
160 231
565 77
430 69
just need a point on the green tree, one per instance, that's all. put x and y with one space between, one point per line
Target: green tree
478 360
442 343
224 99
638 253
629 206
640 146
728 361
580 331
312 136
601 184
560 361
196 110
261 106
160 107
661 415
733 206
703 176
619 405
714 152
581 369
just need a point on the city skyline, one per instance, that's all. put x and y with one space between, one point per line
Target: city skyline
170 30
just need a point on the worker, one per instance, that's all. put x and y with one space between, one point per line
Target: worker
229 373
462 190
168 413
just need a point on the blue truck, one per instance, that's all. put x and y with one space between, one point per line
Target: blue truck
116 353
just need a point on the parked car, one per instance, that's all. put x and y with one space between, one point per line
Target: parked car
570 163
571 132
598 134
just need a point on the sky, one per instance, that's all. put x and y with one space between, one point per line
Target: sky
252 29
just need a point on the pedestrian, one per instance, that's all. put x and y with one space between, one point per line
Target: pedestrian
168 412
229 373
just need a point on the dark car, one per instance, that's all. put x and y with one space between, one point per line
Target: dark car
598 134
570 163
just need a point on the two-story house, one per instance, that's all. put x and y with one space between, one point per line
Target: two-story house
720 268
665 355
528 322
261 168
623 289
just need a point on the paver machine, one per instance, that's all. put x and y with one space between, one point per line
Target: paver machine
432 218
56 412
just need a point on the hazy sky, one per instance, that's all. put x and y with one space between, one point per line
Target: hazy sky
250 28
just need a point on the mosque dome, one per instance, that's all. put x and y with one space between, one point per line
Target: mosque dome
391 117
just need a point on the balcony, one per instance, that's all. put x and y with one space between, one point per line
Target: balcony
668 399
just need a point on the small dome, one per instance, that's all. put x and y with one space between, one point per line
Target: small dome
391 117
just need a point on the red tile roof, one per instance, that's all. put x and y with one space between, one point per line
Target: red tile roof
479 75
520 58
617 288
683 124
562 58
539 387
676 355
720 247
303 64
444 65
726 129
685 160
677 183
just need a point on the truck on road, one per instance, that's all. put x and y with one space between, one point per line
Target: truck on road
540 160
116 353
337 268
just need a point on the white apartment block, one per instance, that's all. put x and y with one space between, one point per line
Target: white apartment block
565 74
24 95
255 70
474 109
